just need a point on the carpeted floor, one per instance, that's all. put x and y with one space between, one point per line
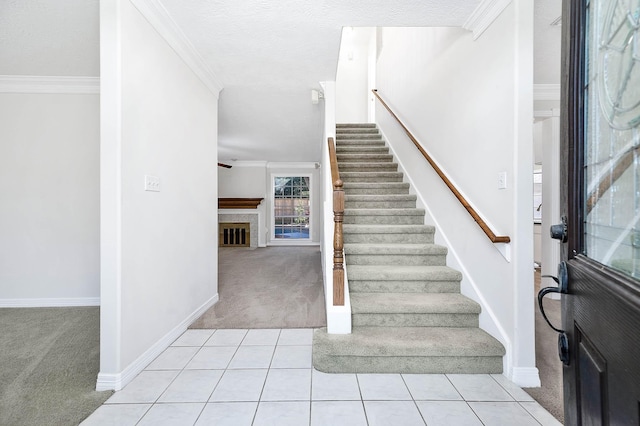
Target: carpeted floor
49 361
272 287
549 395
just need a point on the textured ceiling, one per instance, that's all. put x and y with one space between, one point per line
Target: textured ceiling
269 55
50 37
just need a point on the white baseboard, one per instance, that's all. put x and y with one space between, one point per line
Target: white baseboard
120 380
525 377
50 302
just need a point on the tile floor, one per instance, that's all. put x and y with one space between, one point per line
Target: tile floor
265 377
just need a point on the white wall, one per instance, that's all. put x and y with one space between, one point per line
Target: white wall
49 200
470 104
159 249
352 76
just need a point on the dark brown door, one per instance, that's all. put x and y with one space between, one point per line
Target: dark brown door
601 143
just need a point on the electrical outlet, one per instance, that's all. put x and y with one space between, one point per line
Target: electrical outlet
151 183
502 180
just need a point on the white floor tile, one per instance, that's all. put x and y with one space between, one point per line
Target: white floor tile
116 414
479 387
262 337
282 414
383 387
334 387
431 387
514 390
172 415
252 357
146 387
393 413
226 338
228 414
192 386
239 385
541 415
448 413
193 338
173 358
212 358
292 357
287 385
497 413
296 336
338 413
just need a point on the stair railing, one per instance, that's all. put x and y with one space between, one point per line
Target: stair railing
338 216
488 232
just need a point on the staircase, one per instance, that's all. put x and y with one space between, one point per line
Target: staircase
408 315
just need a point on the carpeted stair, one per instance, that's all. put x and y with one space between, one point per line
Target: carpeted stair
408 315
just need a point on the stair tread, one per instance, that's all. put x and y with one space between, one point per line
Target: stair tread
408 341
412 303
408 211
405 272
390 248
387 229
373 197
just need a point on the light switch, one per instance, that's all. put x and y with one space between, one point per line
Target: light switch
502 180
151 183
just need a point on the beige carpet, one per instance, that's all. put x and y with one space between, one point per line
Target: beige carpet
49 361
273 287
549 395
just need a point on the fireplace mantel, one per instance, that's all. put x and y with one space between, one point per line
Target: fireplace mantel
239 203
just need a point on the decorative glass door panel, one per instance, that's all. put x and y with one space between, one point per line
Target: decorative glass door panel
291 207
612 136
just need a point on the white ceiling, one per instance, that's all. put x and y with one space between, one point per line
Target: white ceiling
546 42
267 54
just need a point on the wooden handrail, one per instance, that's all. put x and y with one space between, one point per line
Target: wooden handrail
338 216
492 236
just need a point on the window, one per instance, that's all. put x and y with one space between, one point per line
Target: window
291 207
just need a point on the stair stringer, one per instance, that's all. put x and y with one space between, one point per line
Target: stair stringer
488 320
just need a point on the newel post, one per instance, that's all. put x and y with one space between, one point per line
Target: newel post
338 268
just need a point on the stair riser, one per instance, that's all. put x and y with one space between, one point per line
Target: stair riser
364 158
383 178
355 125
387 190
414 320
380 204
364 286
396 259
409 364
368 167
384 220
360 143
362 150
358 136
426 238
360 130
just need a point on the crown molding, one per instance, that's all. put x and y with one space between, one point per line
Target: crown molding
160 19
546 92
247 163
49 84
484 15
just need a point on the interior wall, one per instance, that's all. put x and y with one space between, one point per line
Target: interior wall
159 248
352 76
49 200
243 180
470 105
